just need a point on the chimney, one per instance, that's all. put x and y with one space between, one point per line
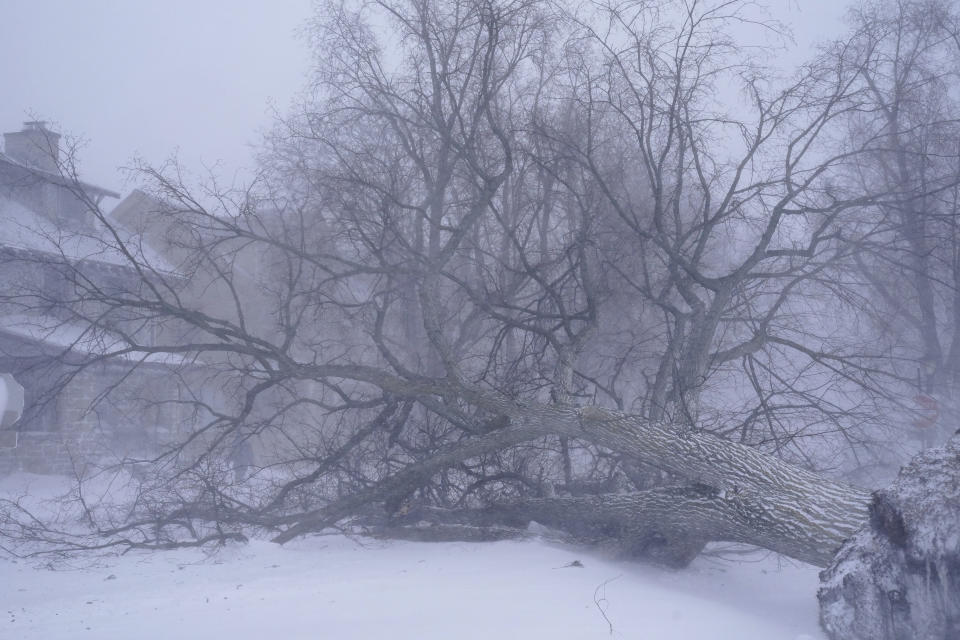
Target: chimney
35 146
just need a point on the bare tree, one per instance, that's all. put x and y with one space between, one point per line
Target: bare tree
907 53
506 259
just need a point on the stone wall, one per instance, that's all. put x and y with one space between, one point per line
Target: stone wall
47 452
107 412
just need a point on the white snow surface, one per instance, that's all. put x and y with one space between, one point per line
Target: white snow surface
335 587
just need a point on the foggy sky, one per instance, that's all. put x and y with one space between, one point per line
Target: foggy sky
199 77
146 77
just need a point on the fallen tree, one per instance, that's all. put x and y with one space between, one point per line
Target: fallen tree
505 267
386 309
750 497
731 493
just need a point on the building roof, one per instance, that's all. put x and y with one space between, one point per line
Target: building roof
80 337
24 228
56 178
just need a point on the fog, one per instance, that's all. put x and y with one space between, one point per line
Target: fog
665 284
199 79
152 78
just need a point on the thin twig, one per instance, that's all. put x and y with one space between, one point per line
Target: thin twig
602 599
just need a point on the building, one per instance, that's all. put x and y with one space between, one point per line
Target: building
52 236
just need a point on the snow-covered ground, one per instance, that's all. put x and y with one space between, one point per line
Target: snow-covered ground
338 588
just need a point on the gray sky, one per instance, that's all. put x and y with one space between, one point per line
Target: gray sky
200 77
139 77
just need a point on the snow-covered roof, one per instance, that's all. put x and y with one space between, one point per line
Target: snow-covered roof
56 178
24 228
83 239
79 337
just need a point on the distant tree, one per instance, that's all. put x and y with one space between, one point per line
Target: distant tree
908 54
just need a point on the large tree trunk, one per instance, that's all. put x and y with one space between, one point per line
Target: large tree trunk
753 497
667 525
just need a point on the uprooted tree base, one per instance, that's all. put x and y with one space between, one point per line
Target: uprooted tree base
899 577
